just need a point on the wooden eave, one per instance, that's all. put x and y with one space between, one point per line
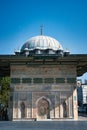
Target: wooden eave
79 60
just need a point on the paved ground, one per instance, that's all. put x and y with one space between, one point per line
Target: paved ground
43 125
62 124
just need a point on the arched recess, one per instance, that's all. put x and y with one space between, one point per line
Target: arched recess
22 108
43 108
64 109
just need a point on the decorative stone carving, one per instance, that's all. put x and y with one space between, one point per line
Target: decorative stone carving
43 107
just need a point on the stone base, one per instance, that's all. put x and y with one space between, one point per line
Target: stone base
25 119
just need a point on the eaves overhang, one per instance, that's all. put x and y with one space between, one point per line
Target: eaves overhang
79 60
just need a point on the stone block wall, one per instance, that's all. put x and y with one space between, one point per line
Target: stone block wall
53 84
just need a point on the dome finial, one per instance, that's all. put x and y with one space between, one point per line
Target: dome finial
41 29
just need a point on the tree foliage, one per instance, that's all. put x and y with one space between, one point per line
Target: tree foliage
4 90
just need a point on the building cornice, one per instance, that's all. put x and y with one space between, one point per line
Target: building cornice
79 60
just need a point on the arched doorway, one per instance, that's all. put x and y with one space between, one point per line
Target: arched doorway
22 105
43 109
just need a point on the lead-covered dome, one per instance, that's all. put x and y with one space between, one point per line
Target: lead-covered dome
42 43
43 46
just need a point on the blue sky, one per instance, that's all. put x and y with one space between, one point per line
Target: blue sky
65 20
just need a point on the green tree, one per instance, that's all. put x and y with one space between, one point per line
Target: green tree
4 90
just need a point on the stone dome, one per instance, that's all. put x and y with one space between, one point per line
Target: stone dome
42 43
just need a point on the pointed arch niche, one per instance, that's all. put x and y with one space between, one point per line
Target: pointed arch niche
22 109
43 108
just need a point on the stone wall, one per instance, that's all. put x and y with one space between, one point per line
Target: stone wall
53 84
41 71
